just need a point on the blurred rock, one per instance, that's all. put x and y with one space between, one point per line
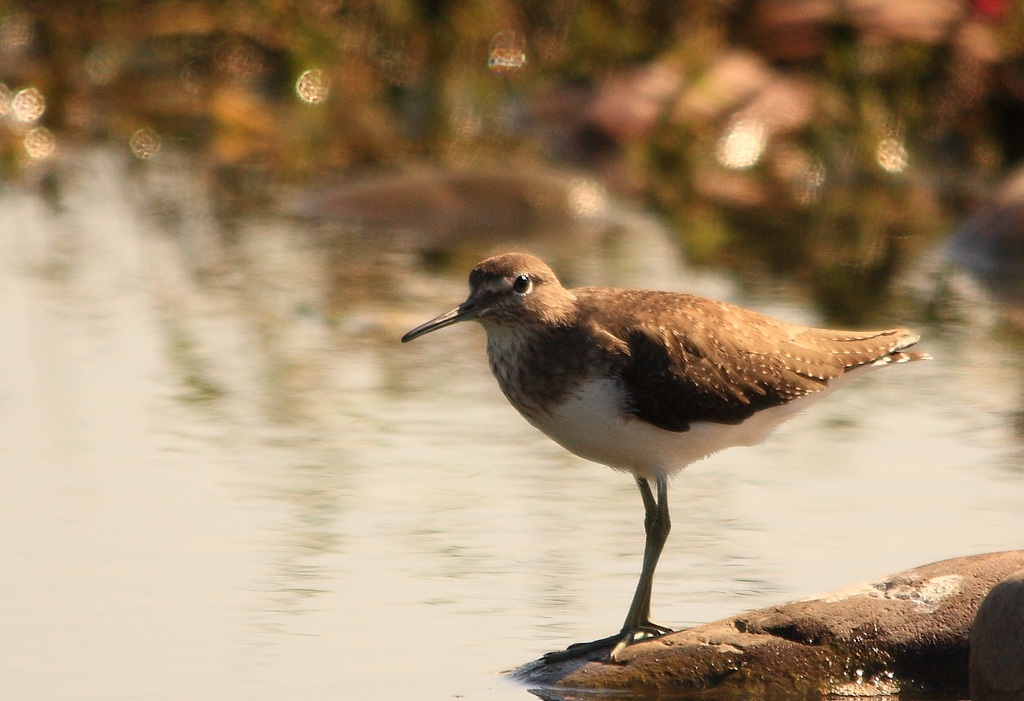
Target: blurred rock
734 78
928 21
989 244
629 104
435 209
592 125
809 25
784 104
905 633
997 643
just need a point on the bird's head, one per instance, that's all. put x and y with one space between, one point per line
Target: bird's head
506 291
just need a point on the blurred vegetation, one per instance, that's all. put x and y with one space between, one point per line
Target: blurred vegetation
826 141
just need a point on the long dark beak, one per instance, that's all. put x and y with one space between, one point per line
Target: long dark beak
463 312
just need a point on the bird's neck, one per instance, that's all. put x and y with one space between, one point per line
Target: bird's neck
510 351
538 366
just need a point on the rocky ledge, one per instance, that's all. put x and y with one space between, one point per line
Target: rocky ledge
907 633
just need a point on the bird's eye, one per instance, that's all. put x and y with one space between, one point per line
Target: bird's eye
522 284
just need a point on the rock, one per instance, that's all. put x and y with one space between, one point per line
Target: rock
437 208
997 643
629 104
730 81
989 246
809 25
906 632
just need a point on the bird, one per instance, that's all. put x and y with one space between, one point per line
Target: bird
648 382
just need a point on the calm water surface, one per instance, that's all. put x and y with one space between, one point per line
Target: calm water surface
211 489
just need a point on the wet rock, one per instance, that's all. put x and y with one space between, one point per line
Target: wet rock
906 632
997 643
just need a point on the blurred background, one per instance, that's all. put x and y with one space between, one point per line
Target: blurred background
221 474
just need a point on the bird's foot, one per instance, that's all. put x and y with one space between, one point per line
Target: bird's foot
644 631
615 644
579 650
650 630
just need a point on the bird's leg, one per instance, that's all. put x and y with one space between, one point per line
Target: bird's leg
637 625
657 525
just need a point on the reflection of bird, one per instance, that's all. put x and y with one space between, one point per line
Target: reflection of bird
648 382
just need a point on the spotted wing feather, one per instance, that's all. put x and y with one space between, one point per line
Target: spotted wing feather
690 359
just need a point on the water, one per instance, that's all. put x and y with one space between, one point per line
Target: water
223 477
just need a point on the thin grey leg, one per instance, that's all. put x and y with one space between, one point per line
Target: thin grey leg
657 525
637 625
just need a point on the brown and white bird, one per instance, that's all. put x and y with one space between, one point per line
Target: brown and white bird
648 382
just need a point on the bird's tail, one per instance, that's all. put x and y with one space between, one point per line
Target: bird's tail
897 355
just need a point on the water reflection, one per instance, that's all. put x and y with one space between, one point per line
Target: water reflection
506 53
144 143
216 445
742 145
758 151
28 105
224 477
313 86
39 143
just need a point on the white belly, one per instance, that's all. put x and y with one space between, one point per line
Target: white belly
591 424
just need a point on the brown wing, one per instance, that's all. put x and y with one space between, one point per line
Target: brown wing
692 359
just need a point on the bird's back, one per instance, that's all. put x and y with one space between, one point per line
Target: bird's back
684 358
